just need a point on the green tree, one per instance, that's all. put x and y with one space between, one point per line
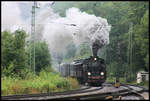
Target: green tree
42 56
7 53
13 52
142 38
19 47
7 48
71 51
84 50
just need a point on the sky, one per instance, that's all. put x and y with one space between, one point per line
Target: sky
17 14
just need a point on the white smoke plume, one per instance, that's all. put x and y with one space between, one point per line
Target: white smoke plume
56 30
89 28
41 19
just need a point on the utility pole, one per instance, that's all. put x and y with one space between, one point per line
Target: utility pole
32 37
131 26
119 60
130 51
32 40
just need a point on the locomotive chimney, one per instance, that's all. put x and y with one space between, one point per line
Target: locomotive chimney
95 48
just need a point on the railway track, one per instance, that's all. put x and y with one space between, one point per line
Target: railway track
51 95
106 91
135 92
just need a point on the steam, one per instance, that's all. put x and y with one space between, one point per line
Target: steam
41 20
88 29
58 31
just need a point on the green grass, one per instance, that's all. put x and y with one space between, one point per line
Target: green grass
110 79
44 83
145 84
123 81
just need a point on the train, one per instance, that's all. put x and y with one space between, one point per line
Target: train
89 71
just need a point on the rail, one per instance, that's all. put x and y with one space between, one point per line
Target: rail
88 92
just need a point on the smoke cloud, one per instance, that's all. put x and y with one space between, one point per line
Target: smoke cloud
76 27
58 32
42 19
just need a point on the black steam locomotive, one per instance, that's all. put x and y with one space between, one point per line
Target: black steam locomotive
91 70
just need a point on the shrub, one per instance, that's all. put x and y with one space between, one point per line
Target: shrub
44 83
73 82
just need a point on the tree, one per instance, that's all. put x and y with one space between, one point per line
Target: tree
142 38
71 51
7 48
13 52
7 53
19 47
84 50
42 56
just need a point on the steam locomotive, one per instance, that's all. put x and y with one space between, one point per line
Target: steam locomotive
91 70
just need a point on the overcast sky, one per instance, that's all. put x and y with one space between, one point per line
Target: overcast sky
15 14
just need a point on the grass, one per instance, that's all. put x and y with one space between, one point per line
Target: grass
32 84
122 80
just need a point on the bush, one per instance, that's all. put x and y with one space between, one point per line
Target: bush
145 83
73 82
30 76
44 83
6 83
9 70
25 72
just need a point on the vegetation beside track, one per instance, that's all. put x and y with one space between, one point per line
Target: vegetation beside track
32 84
17 75
123 81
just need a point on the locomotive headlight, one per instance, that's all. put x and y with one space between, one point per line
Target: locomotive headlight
89 73
102 73
95 59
